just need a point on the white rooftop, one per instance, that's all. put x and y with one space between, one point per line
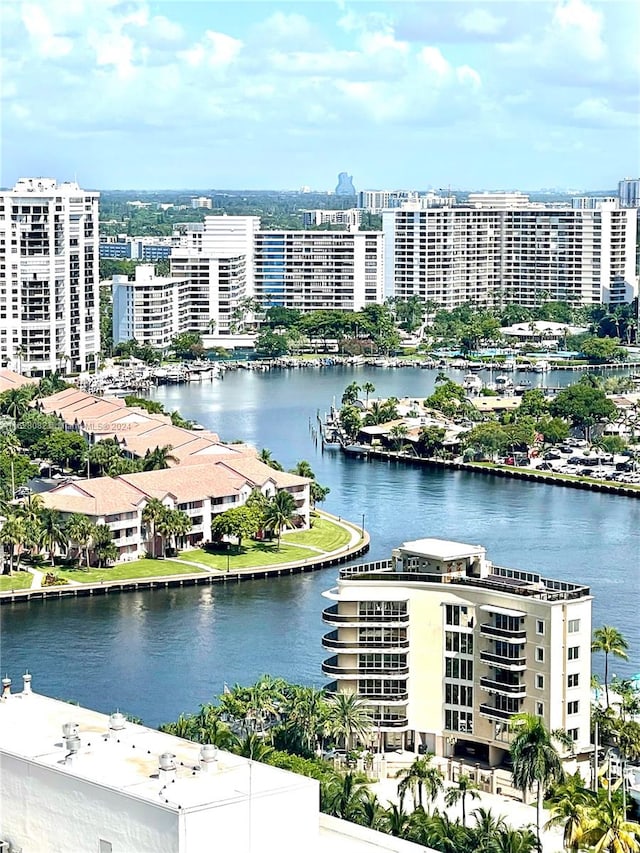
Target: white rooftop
442 549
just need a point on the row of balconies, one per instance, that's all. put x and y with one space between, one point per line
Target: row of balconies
331 616
332 667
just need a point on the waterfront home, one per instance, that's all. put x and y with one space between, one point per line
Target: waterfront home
79 780
447 648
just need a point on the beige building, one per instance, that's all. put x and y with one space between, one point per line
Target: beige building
447 648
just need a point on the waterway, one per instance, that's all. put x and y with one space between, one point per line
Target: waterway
160 653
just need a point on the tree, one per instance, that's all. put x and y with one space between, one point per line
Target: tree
431 440
343 797
348 718
15 402
535 758
599 350
53 534
583 405
466 787
350 420
173 525
350 394
13 534
533 403
280 513
80 530
104 548
152 513
368 388
489 438
421 775
569 809
397 434
158 459
187 345
553 430
239 521
270 344
66 449
266 457
609 831
609 641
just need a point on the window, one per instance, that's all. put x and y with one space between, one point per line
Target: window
573 626
539 626
573 679
540 682
573 707
573 734
540 654
574 652
104 846
540 708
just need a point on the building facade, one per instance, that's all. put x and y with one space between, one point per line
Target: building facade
629 192
447 648
525 255
49 293
150 249
350 219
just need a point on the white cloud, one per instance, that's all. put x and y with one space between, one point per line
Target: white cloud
598 111
42 32
468 77
579 26
433 59
482 22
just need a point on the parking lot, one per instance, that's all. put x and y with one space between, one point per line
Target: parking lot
576 458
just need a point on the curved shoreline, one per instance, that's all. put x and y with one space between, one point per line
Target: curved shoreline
503 471
200 578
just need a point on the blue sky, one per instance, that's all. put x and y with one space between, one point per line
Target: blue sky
256 95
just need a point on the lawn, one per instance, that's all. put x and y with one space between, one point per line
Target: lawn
252 555
19 580
128 571
555 475
324 534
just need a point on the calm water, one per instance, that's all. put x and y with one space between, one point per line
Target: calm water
157 654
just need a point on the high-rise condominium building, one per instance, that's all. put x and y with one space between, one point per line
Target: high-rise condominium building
523 254
629 192
49 298
446 648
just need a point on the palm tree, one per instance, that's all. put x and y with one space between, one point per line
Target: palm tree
419 776
151 515
303 469
569 809
609 831
535 758
487 828
466 788
344 797
159 458
254 747
511 840
348 718
15 402
280 513
372 812
441 833
609 640
395 821
266 457
171 524
103 546
53 534
12 534
368 388
397 433
350 394
307 716
80 529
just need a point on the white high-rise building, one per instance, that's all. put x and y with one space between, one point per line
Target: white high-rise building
522 254
629 192
49 294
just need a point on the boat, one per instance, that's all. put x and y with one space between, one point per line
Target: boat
503 383
472 383
356 449
541 366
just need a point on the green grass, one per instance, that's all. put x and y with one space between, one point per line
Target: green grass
555 475
252 555
19 580
324 534
128 571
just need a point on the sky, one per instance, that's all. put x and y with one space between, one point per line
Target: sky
122 94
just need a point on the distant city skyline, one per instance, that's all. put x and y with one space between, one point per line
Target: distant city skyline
279 95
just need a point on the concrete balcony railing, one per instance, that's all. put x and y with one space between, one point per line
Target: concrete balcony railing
390 722
494 633
516 691
496 713
331 641
511 664
387 698
331 616
331 667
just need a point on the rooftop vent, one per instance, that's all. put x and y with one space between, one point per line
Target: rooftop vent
71 740
167 768
117 721
6 687
26 683
208 757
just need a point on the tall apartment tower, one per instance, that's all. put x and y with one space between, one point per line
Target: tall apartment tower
629 192
49 296
524 254
446 648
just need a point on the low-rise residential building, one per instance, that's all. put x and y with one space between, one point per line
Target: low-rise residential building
447 648
123 247
350 219
79 780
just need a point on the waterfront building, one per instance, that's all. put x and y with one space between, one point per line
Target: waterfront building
446 648
349 219
79 780
629 192
49 304
525 255
150 309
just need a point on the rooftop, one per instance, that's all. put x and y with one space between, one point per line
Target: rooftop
442 549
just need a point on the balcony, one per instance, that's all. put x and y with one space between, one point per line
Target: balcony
517 691
512 664
331 641
488 630
331 667
390 722
387 698
331 616
497 713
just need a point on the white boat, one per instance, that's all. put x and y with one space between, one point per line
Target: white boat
472 383
503 383
541 366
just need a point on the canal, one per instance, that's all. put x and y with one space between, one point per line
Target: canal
160 653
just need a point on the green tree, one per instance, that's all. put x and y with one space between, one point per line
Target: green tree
270 344
239 522
533 403
553 430
187 346
53 534
344 796
266 457
348 718
431 441
350 394
280 513
13 535
66 449
104 548
80 530
600 350
152 514
609 831
158 459
368 388
419 777
536 760
569 809
583 405
609 641
487 438
350 420
465 787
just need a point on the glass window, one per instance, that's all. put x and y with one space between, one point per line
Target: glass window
573 679
540 682
573 626
573 707
574 652
540 654
539 626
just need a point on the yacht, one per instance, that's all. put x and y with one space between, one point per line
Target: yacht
541 366
503 383
472 383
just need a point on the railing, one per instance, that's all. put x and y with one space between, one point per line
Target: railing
331 615
390 722
516 690
503 662
362 568
488 630
331 667
331 642
388 698
496 713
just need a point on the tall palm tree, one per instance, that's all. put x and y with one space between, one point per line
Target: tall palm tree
344 796
303 469
441 833
103 546
395 820
487 828
397 433
15 402
511 840
53 534
80 529
253 747
307 716
266 457
609 831
12 534
569 809
349 718
159 458
535 758
609 640
466 787
152 513
368 388
280 513
419 776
